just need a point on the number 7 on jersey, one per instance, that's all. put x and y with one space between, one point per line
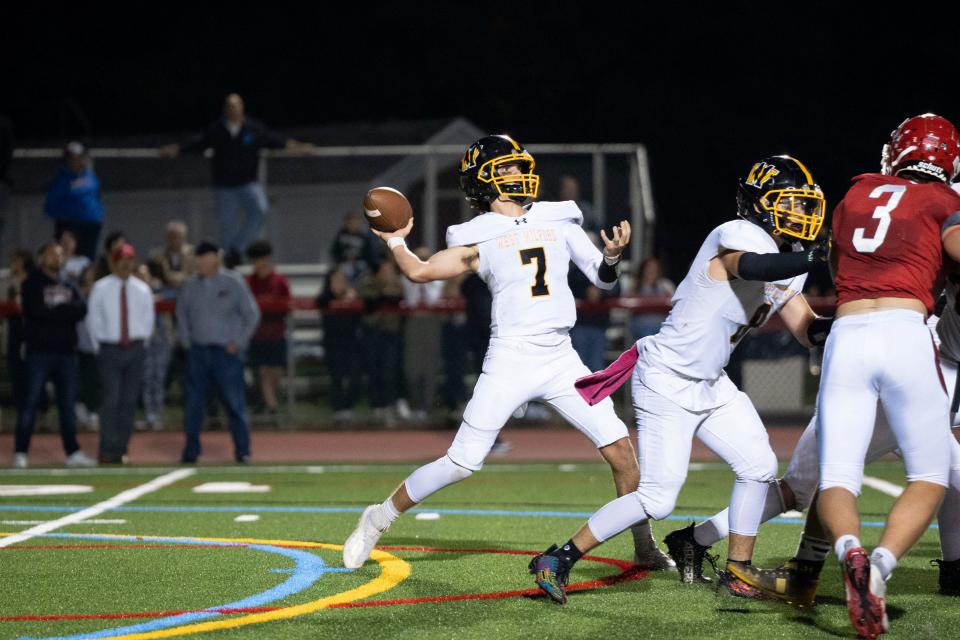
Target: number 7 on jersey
538 255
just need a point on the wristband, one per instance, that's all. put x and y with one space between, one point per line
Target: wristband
393 243
611 261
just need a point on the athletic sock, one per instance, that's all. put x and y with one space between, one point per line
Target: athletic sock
569 552
884 561
812 549
844 544
386 514
713 530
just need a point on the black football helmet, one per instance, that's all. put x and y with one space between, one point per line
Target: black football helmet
482 178
780 195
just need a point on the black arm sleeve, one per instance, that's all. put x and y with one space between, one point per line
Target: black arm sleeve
768 267
608 273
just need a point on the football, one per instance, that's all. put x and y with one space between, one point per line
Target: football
386 209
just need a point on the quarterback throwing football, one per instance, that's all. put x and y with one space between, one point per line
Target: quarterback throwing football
522 249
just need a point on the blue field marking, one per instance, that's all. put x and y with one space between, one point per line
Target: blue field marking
309 568
450 512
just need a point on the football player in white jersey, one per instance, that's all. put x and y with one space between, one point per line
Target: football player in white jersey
522 249
745 270
796 581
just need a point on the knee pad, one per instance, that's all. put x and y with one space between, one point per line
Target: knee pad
434 476
659 500
760 469
849 477
471 446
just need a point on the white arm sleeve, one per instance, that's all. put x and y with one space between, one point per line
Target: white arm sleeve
586 256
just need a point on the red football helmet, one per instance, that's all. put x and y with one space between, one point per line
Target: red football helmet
927 144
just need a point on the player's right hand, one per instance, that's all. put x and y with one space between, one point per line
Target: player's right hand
819 251
399 233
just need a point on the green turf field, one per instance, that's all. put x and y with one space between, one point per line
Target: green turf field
180 563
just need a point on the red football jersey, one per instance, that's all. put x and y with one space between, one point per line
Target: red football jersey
887 236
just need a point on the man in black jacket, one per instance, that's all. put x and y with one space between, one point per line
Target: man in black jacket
236 141
51 309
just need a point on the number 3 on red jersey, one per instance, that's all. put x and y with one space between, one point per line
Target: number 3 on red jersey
861 242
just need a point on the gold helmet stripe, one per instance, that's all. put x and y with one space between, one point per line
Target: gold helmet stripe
806 173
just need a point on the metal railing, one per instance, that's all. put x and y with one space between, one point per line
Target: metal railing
417 168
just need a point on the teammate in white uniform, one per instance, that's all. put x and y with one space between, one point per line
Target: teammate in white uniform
796 581
522 251
737 280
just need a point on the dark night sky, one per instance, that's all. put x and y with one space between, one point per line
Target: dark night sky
708 91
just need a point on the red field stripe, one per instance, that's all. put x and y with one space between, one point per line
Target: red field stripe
629 572
627 576
139 614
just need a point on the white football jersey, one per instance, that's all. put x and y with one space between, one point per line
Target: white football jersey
685 360
524 262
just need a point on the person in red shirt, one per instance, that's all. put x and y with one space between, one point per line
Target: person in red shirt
888 234
268 347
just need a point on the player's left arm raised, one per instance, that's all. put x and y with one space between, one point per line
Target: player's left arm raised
600 269
807 327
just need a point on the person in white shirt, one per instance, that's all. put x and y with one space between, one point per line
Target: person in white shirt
120 319
522 249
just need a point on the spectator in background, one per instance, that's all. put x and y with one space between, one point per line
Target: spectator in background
21 264
353 249
570 190
88 384
73 200
421 340
382 292
172 263
7 144
120 320
73 264
103 267
589 334
159 348
51 309
268 347
338 305
216 316
650 283
236 141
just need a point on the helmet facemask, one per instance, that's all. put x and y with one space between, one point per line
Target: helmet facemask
798 213
521 187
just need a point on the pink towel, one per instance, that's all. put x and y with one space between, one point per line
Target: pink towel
597 386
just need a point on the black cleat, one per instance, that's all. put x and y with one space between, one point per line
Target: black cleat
949 576
794 582
551 572
689 555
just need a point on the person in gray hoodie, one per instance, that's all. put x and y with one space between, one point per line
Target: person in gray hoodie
216 316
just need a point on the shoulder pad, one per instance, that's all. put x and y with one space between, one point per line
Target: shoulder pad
565 211
480 229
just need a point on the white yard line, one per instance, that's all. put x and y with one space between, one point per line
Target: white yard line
883 486
120 499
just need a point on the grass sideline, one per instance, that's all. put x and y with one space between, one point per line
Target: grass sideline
142 567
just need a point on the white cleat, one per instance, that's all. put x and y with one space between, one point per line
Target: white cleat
80 459
358 546
20 461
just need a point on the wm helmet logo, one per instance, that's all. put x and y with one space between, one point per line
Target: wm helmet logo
760 174
470 159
